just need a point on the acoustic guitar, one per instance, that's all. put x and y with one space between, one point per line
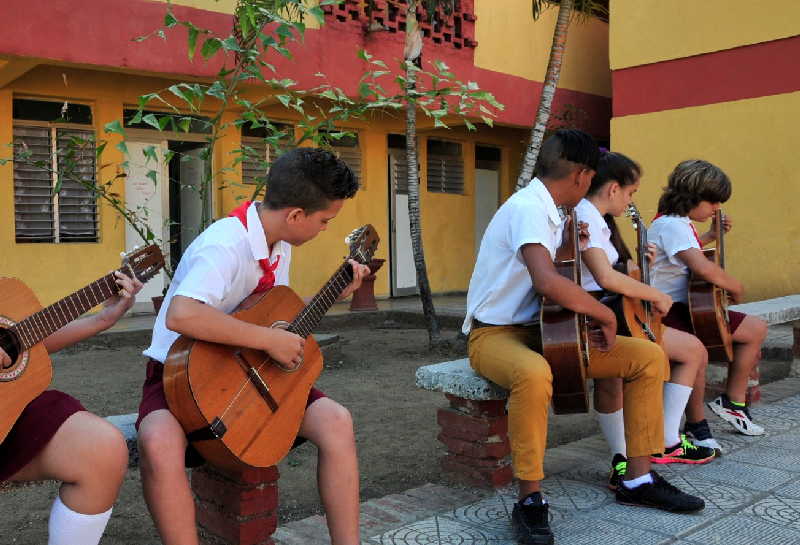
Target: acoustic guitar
24 324
239 408
640 320
708 304
565 334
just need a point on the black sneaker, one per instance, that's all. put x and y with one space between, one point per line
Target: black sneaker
619 464
660 495
685 452
700 434
530 522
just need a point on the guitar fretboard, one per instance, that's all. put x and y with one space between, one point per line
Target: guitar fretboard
36 327
309 317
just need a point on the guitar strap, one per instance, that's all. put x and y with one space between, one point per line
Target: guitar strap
267 281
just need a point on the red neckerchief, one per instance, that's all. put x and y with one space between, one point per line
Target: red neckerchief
268 280
700 242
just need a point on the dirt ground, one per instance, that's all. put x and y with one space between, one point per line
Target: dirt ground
370 371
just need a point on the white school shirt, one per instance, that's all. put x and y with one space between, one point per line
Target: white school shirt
220 268
668 273
599 237
501 290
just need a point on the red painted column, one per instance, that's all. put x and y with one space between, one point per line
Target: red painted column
476 436
236 509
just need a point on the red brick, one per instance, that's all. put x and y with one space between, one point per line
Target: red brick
495 407
236 530
494 477
462 426
476 449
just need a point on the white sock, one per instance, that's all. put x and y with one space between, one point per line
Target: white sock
67 527
676 396
638 481
613 427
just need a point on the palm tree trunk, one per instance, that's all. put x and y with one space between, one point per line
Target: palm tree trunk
548 92
413 49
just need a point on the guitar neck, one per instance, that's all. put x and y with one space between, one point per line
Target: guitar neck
720 232
641 251
308 318
37 327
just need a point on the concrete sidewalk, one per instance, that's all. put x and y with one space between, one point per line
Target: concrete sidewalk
752 496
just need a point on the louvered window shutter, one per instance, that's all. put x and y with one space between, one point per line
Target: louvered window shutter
445 167
77 205
33 184
399 169
253 169
348 150
41 216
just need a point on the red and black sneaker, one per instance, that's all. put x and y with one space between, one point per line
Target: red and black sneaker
684 452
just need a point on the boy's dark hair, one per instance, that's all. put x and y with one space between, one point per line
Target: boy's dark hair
308 178
565 150
690 183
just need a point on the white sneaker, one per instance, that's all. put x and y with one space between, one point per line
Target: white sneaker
708 443
737 418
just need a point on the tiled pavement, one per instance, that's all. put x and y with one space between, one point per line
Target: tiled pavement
752 496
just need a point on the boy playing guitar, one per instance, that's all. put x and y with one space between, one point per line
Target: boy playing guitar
234 257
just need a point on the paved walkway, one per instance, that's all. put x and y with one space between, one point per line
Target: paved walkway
752 496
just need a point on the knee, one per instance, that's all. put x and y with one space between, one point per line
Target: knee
760 330
532 376
339 420
654 361
159 446
108 453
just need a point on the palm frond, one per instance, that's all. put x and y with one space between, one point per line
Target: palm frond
581 9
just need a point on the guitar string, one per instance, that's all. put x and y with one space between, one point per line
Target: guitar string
307 310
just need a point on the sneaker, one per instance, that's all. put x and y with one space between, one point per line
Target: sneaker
619 464
530 522
660 495
739 418
684 452
700 435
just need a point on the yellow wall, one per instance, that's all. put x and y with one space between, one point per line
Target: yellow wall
754 142
647 31
448 220
509 41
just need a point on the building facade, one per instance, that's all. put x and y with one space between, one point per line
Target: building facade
55 57
718 82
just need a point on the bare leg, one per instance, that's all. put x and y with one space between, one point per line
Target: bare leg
748 338
607 395
330 427
689 369
162 445
88 455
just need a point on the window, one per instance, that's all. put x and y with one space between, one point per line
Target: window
257 154
348 150
445 167
47 154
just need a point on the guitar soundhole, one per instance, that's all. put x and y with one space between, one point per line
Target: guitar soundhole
10 344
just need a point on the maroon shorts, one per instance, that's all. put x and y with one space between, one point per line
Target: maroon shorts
680 318
153 399
34 428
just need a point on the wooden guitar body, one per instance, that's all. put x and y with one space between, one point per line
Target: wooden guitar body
565 339
640 323
24 324
30 373
708 305
206 383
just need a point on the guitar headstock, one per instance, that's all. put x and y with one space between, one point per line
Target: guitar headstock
363 242
143 263
633 213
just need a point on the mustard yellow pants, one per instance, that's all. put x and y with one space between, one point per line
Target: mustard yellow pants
503 355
